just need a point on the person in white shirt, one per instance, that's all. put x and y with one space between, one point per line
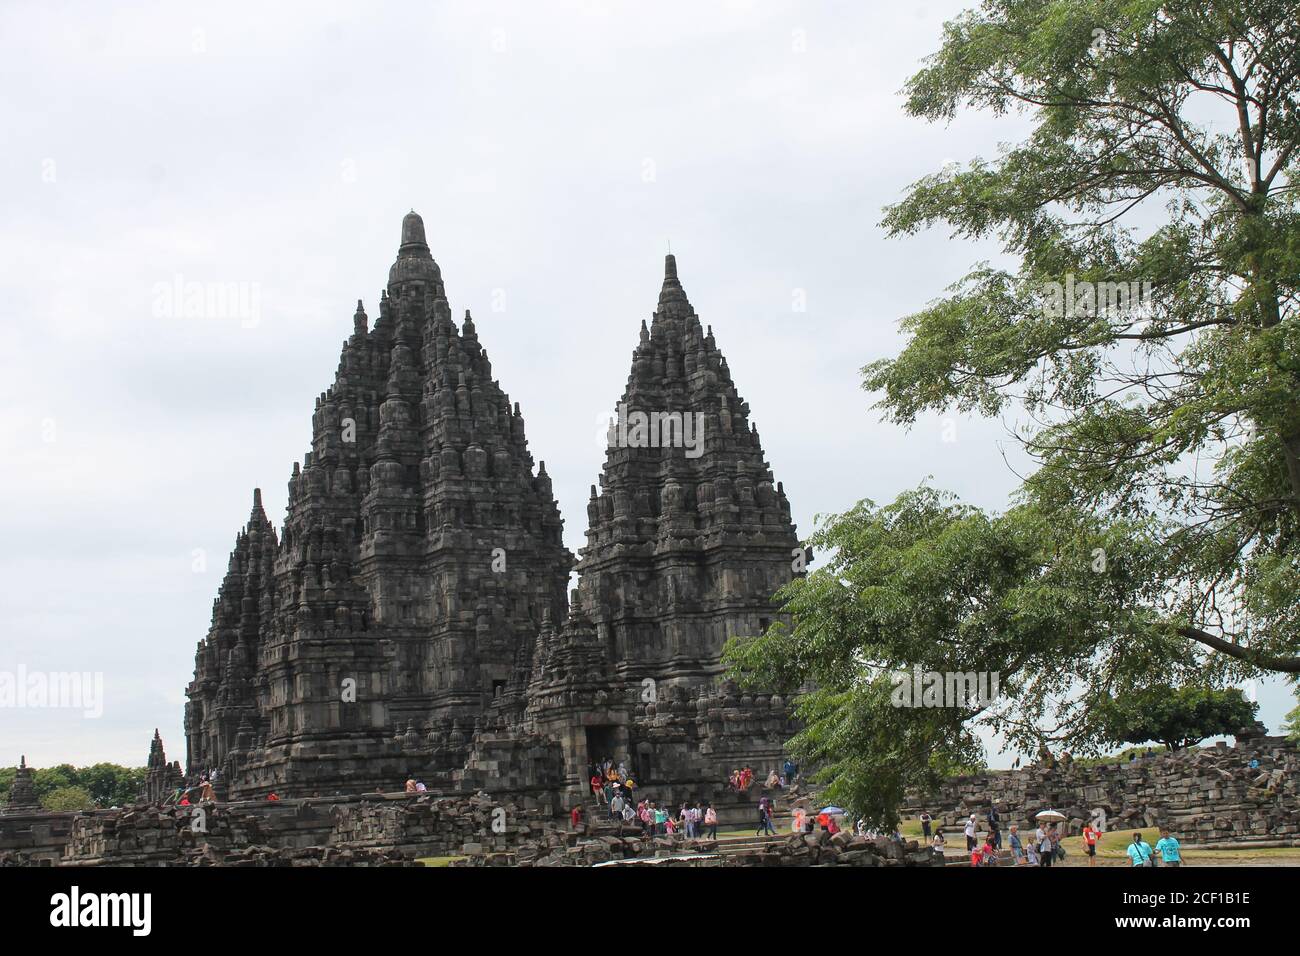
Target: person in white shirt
970 833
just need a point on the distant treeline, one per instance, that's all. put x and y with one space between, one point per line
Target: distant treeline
66 787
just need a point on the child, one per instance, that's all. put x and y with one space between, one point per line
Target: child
1031 851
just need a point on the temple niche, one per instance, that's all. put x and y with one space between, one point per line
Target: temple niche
411 617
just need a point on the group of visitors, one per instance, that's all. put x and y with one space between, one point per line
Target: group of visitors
193 791
1167 850
610 782
742 779
691 819
414 785
1044 847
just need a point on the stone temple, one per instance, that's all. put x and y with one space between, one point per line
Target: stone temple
411 618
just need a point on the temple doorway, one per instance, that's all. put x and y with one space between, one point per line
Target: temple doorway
603 743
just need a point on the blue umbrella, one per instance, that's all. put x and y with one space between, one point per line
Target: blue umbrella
832 810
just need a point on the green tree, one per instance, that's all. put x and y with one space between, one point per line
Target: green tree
1156 540
49 779
68 798
108 784
1292 723
1163 151
112 785
926 585
1177 717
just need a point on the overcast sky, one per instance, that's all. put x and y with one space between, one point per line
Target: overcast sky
554 151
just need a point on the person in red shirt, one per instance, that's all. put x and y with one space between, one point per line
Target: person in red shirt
988 854
1090 837
576 817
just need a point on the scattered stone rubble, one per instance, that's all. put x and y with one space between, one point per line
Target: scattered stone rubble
608 844
1205 795
359 831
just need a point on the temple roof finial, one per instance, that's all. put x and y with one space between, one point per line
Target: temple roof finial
672 298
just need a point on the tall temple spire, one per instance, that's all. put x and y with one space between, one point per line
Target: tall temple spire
672 297
414 269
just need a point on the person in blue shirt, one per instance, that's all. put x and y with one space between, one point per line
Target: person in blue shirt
1139 851
1167 847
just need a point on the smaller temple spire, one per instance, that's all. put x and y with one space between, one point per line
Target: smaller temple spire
22 795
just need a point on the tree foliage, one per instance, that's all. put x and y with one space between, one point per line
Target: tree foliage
1177 717
1155 542
107 784
1163 152
68 798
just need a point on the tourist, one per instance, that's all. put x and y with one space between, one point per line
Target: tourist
926 820
661 820
670 824
970 833
764 819
629 814
616 807
995 831
1058 851
1140 852
711 821
410 785
597 788
1046 850
420 787
832 825
791 770
773 781
938 844
1168 848
575 816
1017 851
1031 855
272 796
1090 837
797 817
988 852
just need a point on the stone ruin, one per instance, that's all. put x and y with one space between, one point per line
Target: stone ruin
369 830
812 849
411 618
1204 795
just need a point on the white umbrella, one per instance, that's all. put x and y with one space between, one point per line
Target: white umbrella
1051 816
